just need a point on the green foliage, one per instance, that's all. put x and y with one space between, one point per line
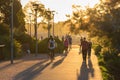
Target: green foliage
103 66
17 49
5 10
109 64
104 73
18 15
27 42
60 46
21 22
5 40
97 49
43 46
113 65
4 29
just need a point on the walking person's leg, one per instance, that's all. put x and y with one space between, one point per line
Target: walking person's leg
89 53
69 46
66 50
83 55
53 54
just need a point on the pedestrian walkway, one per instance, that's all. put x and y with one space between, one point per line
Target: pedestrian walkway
68 67
71 67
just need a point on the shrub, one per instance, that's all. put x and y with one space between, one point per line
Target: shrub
43 46
27 42
5 40
113 65
97 49
109 64
7 48
17 49
4 29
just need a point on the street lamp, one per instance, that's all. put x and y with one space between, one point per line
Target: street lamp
30 22
49 14
11 30
35 6
53 22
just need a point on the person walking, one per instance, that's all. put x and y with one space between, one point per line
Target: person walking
51 46
89 48
70 42
81 39
84 46
66 43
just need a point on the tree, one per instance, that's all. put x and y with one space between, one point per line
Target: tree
29 10
41 12
18 15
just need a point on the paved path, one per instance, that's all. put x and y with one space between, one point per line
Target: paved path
68 67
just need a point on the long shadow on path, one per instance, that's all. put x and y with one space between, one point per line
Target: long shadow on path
7 65
90 68
85 70
30 73
58 62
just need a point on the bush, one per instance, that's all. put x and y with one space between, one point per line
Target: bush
97 49
109 65
4 29
27 42
43 46
113 65
7 48
17 49
5 40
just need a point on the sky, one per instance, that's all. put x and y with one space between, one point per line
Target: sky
62 7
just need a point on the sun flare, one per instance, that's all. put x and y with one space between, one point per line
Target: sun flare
63 7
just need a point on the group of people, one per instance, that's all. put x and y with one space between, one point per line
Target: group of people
85 47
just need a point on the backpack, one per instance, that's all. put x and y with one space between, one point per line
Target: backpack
51 44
